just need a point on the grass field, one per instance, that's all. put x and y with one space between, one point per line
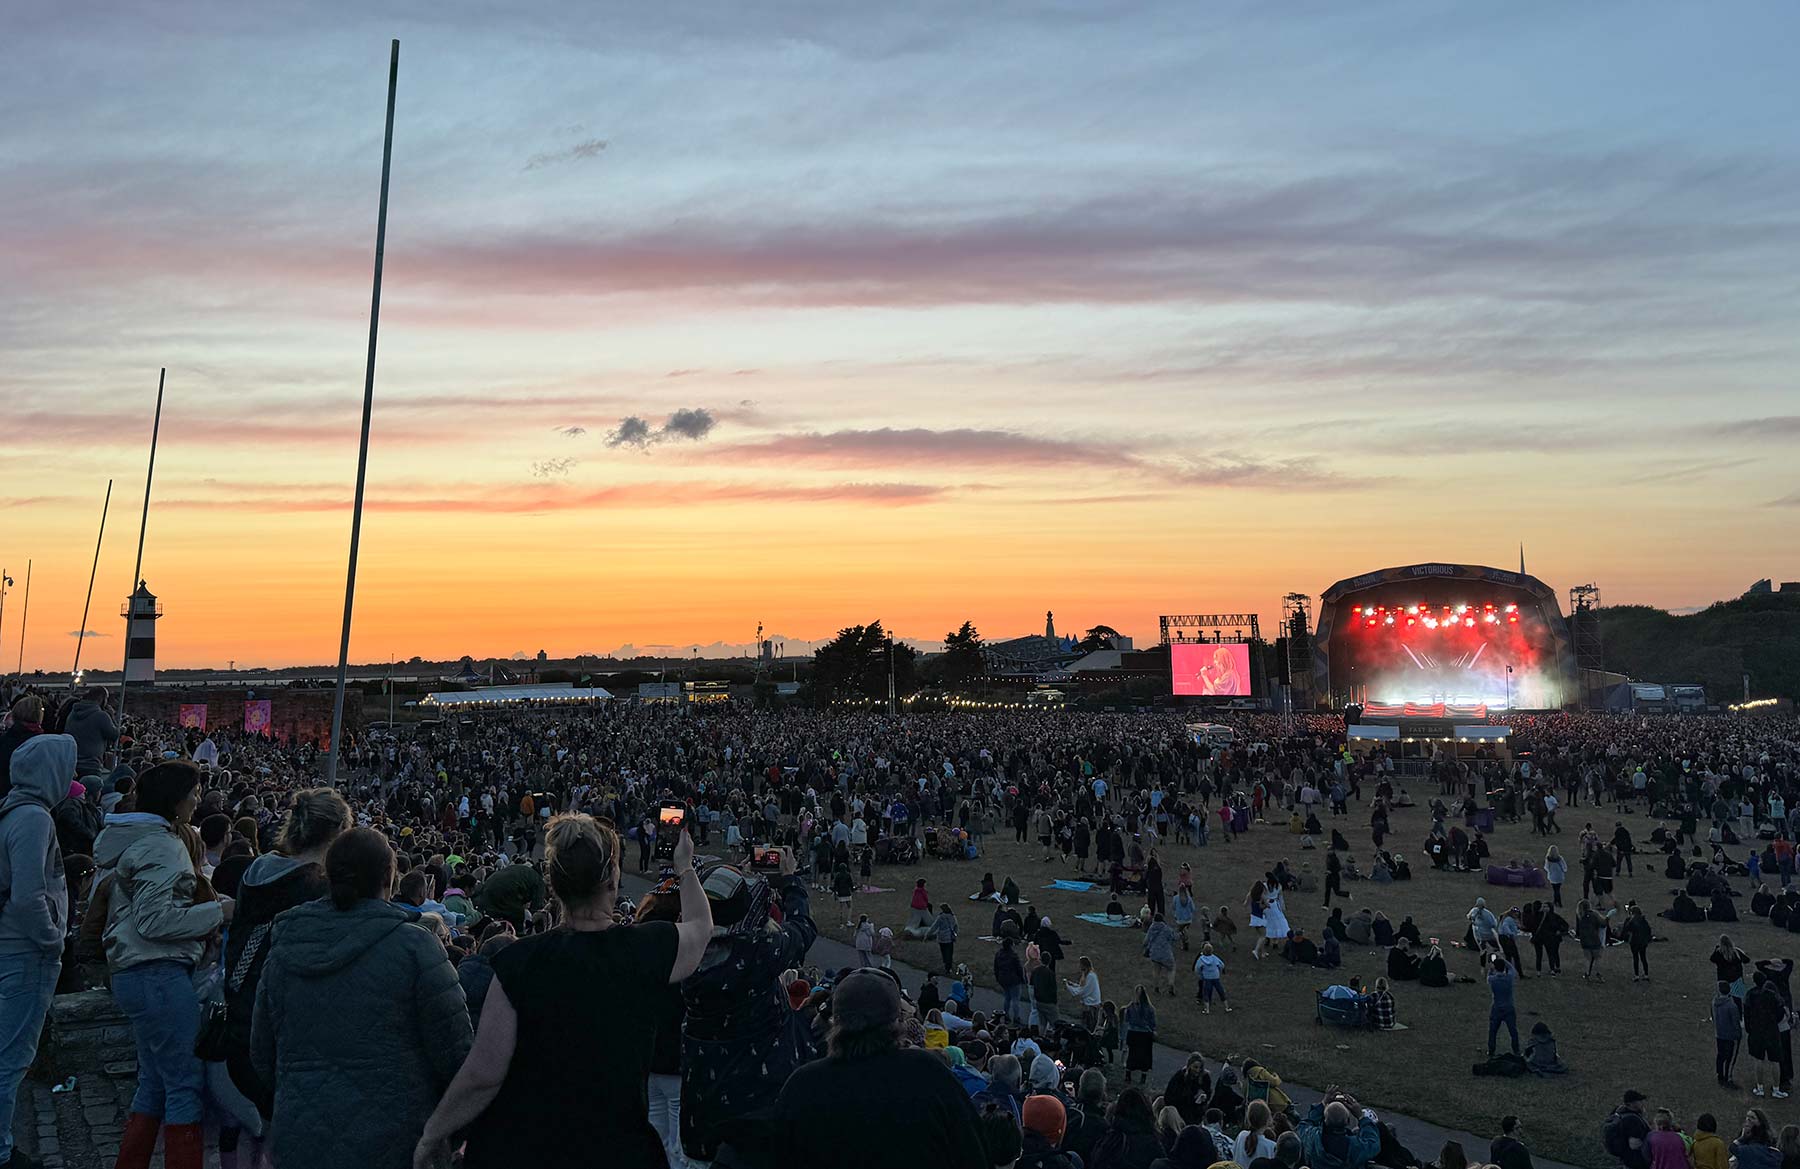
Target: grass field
1656 1037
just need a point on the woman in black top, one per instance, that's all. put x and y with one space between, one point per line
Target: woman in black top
564 1049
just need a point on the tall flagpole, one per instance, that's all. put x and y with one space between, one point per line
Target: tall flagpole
362 455
81 634
24 617
143 526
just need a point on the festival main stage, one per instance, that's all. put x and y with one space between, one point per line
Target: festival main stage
1457 634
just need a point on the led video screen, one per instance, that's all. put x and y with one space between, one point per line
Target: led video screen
1209 669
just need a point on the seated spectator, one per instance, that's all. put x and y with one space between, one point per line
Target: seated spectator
1335 1136
1540 1052
1300 949
1761 901
1402 963
1684 910
846 1101
1359 929
1407 930
1130 1137
1381 930
1383 1014
1722 908
1046 1124
1433 970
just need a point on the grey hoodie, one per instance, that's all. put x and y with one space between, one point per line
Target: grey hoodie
152 915
34 894
94 732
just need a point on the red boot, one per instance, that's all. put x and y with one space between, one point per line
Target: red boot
138 1144
184 1146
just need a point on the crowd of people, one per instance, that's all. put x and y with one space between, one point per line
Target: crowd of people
402 970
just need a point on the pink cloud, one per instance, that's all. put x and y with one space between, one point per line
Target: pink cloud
536 498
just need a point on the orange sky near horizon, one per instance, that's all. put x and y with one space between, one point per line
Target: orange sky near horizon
695 318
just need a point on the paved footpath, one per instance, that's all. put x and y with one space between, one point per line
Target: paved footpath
1422 1137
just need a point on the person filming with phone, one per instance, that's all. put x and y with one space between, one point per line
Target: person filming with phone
742 1037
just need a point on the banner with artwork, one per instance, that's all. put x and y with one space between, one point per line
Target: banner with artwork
193 714
256 717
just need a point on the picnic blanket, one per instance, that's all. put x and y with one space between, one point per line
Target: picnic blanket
875 889
1102 919
990 897
1073 886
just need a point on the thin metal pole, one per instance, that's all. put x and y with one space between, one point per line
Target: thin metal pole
81 635
362 455
143 526
24 617
4 581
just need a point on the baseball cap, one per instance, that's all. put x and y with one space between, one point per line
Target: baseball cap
1633 1096
865 999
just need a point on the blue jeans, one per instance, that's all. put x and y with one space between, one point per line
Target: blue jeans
27 983
1013 996
158 998
1496 1020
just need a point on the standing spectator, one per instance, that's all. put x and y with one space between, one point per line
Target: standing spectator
1667 1148
532 1086
1139 1027
1009 974
1211 969
846 1101
1086 991
1728 1030
34 912
1709 1149
1159 947
1637 936
91 725
1502 1011
360 1022
273 884
160 914
1556 871
27 720
1624 1131
943 932
1508 1150
1764 1016
1590 931
1043 995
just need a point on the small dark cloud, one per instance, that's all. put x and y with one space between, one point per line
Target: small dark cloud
552 468
590 148
685 425
745 372
571 431
90 633
633 431
692 425
682 372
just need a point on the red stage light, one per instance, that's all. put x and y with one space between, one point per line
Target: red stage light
1469 621
1412 621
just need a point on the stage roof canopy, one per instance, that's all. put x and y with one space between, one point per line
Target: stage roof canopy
562 693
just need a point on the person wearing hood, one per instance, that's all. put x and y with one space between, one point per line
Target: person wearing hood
1045 1078
160 914
359 1022
94 731
34 911
276 882
559 1069
27 721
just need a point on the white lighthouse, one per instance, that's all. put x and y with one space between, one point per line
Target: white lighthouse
140 611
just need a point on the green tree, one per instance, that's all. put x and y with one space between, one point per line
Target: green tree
854 664
963 662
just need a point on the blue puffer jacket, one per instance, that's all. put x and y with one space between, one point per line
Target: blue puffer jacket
359 1027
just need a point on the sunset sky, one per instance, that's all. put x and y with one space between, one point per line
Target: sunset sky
704 314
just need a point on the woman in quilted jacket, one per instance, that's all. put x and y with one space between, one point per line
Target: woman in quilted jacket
360 1023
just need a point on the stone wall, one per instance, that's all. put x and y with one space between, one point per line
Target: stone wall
87 1035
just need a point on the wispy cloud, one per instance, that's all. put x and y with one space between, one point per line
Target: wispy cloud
553 468
571 431
533 499
590 148
90 633
1792 499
